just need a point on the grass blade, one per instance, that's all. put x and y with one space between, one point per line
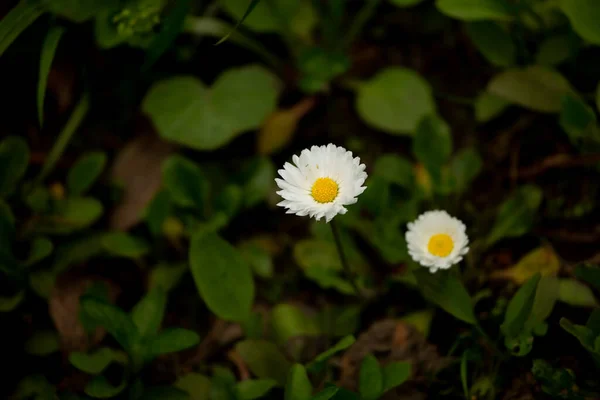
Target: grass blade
251 7
48 50
17 20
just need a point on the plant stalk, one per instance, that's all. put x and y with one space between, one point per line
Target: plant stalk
343 260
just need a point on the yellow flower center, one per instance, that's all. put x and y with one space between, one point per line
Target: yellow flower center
324 190
440 245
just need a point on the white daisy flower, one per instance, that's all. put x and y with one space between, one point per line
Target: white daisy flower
323 180
437 240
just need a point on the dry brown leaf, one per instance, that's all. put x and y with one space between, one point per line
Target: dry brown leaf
138 168
63 306
280 126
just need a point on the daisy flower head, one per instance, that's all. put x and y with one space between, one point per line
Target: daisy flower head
437 240
321 181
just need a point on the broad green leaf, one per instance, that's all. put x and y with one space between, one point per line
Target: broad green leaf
554 50
264 359
395 374
535 87
48 49
171 340
584 16
259 259
298 386
17 20
42 343
77 251
222 276
166 276
318 67
84 172
420 320
266 15
343 344
575 293
229 201
475 10
158 211
254 389
370 378
185 182
546 294
96 362
542 259
14 158
519 308
489 106
345 394
148 313
123 244
432 144
494 42
113 319
289 321
186 111
195 384
257 181
326 393
395 169
39 249
446 290
165 393
100 388
465 167
577 119
516 214
72 214
395 100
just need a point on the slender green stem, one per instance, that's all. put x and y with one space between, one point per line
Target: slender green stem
65 136
364 14
491 342
347 270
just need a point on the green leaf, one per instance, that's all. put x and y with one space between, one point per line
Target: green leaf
395 169
171 340
494 42
298 386
536 87
84 172
265 16
222 276
48 49
343 344
113 319
519 308
405 3
589 274
259 259
446 290
475 10
420 320
254 389
432 144
123 244
251 6
326 393
34 387
546 294
42 343
289 321
148 313
8 304
258 179
577 119
575 293
96 362
584 16
158 211
489 106
465 167
165 393
584 334
264 359
77 251
40 248
370 378
17 20
185 182
79 10
554 50
516 214
14 158
196 385
395 100
185 111
395 374
72 214
100 388
166 277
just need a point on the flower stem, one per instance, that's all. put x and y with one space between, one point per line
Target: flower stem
347 270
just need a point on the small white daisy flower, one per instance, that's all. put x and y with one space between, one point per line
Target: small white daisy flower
437 240
323 180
